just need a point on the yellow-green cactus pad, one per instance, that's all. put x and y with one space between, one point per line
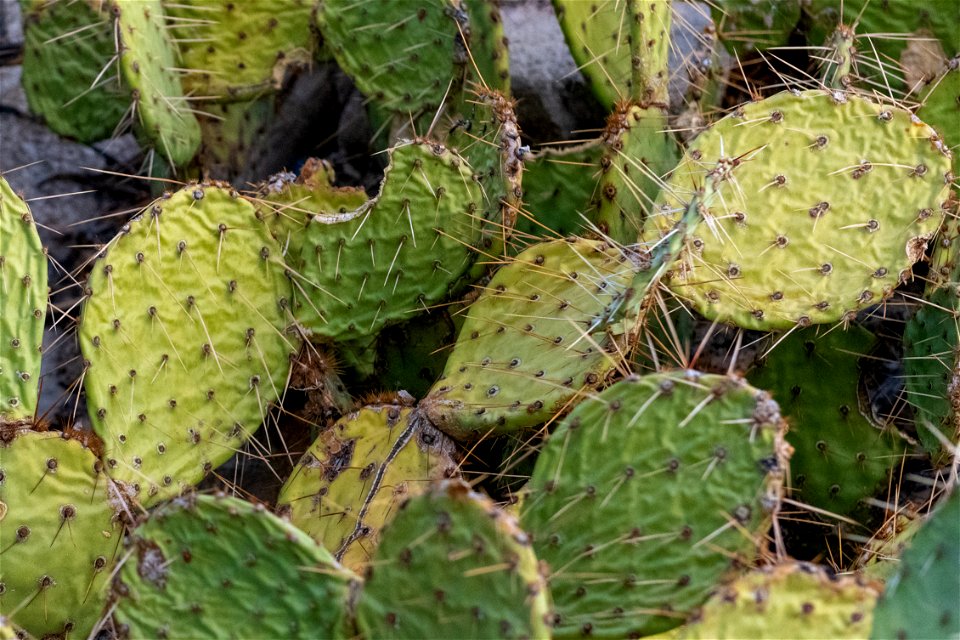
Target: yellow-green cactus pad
648 495
452 565
23 307
793 234
792 601
67 74
219 567
351 481
535 339
233 51
185 334
395 255
149 62
58 534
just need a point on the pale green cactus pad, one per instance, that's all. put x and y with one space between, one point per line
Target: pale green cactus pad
58 534
351 481
840 458
235 51
67 77
23 307
793 601
451 565
793 236
148 60
185 333
395 255
920 600
385 48
219 567
650 493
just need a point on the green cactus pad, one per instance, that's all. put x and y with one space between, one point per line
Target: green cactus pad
534 339
602 36
350 482
67 77
412 355
638 151
839 457
796 237
219 567
648 494
148 60
488 45
231 133
395 255
287 205
235 51
761 24
23 307
558 187
931 341
941 105
58 534
184 332
920 600
891 29
451 565
795 601
386 46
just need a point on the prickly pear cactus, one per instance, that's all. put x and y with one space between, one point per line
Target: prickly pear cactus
148 61
756 24
920 600
184 330
67 74
840 457
58 534
395 255
638 151
621 46
232 51
350 482
23 307
558 187
534 340
941 104
219 567
232 134
385 48
452 565
792 600
648 494
287 203
799 175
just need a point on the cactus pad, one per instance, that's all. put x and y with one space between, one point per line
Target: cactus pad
920 600
58 534
148 60
218 567
452 565
396 254
385 48
839 457
796 238
239 50
795 600
648 494
23 307
352 479
67 51
535 339
184 332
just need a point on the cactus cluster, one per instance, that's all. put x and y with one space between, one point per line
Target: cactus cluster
604 391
